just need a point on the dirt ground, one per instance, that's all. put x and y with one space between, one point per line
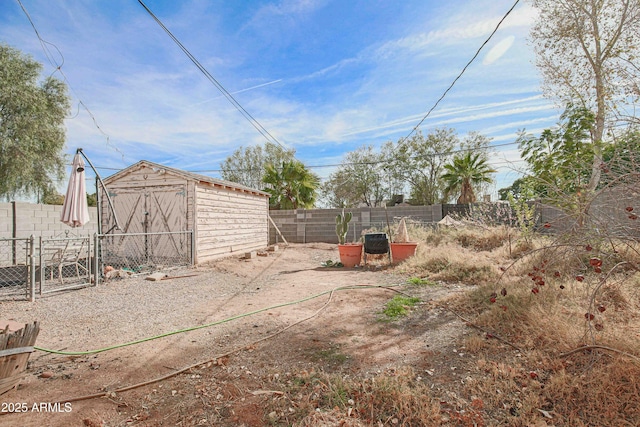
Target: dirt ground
231 362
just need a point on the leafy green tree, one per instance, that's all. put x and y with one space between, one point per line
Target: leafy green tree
360 179
51 197
478 143
514 190
32 132
560 159
92 199
420 160
335 193
291 185
465 171
246 166
587 52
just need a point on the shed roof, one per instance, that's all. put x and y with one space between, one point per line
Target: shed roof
190 176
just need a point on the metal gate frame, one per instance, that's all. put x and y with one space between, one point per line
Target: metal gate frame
56 256
46 265
137 253
14 268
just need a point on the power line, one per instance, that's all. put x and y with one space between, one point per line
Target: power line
271 138
461 150
453 152
264 132
58 68
463 70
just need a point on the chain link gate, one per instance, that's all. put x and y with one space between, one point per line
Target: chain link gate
17 269
138 253
66 263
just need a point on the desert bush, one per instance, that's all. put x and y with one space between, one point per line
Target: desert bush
484 240
452 264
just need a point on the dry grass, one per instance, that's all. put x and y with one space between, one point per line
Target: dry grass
543 304
542 384
453 264
604 395
536 373
482 240
322 399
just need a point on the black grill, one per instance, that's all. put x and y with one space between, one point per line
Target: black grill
376 243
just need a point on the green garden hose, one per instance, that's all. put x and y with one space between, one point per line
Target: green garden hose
219 322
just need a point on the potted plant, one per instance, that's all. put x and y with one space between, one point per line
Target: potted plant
350 253
401 247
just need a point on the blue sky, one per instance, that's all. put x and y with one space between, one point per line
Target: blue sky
323 76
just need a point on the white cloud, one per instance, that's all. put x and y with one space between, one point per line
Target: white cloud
498 50
152 102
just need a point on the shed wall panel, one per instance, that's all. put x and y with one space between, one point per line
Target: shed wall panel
229 222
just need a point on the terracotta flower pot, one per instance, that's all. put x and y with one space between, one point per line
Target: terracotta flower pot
402 251
350 254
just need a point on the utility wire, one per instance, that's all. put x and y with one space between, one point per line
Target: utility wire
463 70
264 132
375 162
58 68
462 150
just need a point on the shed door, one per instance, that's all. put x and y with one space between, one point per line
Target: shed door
151 209
158 209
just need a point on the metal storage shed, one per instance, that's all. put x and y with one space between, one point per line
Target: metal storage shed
225 217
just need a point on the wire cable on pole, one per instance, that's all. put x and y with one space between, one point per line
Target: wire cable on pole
261 129
58 68
463 70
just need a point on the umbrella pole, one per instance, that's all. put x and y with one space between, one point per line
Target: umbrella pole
106 192
99 205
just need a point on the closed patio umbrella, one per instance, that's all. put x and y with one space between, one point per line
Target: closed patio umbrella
75 211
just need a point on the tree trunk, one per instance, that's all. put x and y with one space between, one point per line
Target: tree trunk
467 194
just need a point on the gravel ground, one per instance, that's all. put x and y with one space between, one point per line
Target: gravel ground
237 355
122 310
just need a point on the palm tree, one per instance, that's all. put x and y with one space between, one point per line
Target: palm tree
463 173
291 186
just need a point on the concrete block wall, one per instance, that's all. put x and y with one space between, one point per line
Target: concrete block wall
39 220
318 225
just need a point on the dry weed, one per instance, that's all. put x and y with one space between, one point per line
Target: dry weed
482 239
548 302
453 264
602 394
388 399
561 296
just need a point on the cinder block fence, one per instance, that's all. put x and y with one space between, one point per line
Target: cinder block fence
21 220
318 225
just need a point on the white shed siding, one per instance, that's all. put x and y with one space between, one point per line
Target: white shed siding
229 221
165 196
226 218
